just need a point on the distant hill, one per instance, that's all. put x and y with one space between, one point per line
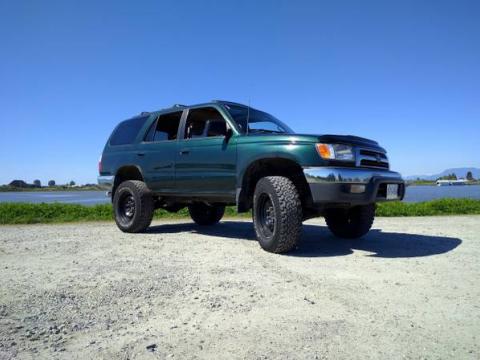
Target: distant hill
460 172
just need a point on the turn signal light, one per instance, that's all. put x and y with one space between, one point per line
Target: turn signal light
340 152
357 189
325 151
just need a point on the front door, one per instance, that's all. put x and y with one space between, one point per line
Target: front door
206 157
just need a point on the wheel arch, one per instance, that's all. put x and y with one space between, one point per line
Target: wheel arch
124 173
271 166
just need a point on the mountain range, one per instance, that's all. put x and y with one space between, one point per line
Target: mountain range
460 172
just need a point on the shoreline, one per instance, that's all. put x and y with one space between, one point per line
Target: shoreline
7 189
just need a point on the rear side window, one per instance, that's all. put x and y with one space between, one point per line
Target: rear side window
164 128
127 131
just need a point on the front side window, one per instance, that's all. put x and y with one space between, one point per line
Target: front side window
164 128
258 121
205 122
127 131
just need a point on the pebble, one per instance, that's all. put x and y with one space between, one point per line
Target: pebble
152 347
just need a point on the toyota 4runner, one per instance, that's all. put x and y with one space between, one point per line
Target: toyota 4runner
208 156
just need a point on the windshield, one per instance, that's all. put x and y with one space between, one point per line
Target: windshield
259 122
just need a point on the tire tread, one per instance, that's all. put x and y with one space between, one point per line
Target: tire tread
353 225
146 206
205 215
290 221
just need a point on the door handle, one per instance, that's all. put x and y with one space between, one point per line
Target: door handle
184 152
140 154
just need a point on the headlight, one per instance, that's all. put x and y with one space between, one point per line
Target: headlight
335 152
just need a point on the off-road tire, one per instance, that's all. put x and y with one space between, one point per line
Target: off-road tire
204 214
350 223
138 192
284 206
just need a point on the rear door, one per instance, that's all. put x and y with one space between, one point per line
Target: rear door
206 157
157 152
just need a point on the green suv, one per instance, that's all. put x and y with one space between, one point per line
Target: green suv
211 155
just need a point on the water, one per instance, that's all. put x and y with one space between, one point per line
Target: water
426 193
67 197
413 194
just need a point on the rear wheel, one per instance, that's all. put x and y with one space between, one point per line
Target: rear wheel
277 214
350 223
204 214
133 206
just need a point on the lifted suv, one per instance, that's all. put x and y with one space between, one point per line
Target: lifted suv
208 156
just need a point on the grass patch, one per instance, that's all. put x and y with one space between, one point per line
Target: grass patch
25 213
430 208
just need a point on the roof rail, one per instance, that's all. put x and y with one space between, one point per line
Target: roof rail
228 102
179 105
144 113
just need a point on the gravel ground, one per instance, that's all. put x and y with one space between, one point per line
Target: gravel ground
409 289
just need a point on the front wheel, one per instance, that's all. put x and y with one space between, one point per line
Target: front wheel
277 214
204 214
350 223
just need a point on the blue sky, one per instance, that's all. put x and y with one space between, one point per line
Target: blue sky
406 73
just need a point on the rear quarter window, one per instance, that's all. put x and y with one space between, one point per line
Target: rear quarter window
126 132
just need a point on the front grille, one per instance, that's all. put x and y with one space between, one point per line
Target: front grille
370 163
372 153
372 159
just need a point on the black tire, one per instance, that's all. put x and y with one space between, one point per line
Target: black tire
277 214
204 214
133 206
350 223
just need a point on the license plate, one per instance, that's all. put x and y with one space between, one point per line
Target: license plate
392 191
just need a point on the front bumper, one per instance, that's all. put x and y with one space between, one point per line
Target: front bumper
106 182
333 185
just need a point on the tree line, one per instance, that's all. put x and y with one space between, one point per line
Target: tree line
453 176
36 184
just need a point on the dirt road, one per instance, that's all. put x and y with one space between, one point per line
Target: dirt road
410 289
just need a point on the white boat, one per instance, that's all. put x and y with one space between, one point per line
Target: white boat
451 182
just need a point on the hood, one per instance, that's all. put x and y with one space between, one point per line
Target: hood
343 139
312 138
